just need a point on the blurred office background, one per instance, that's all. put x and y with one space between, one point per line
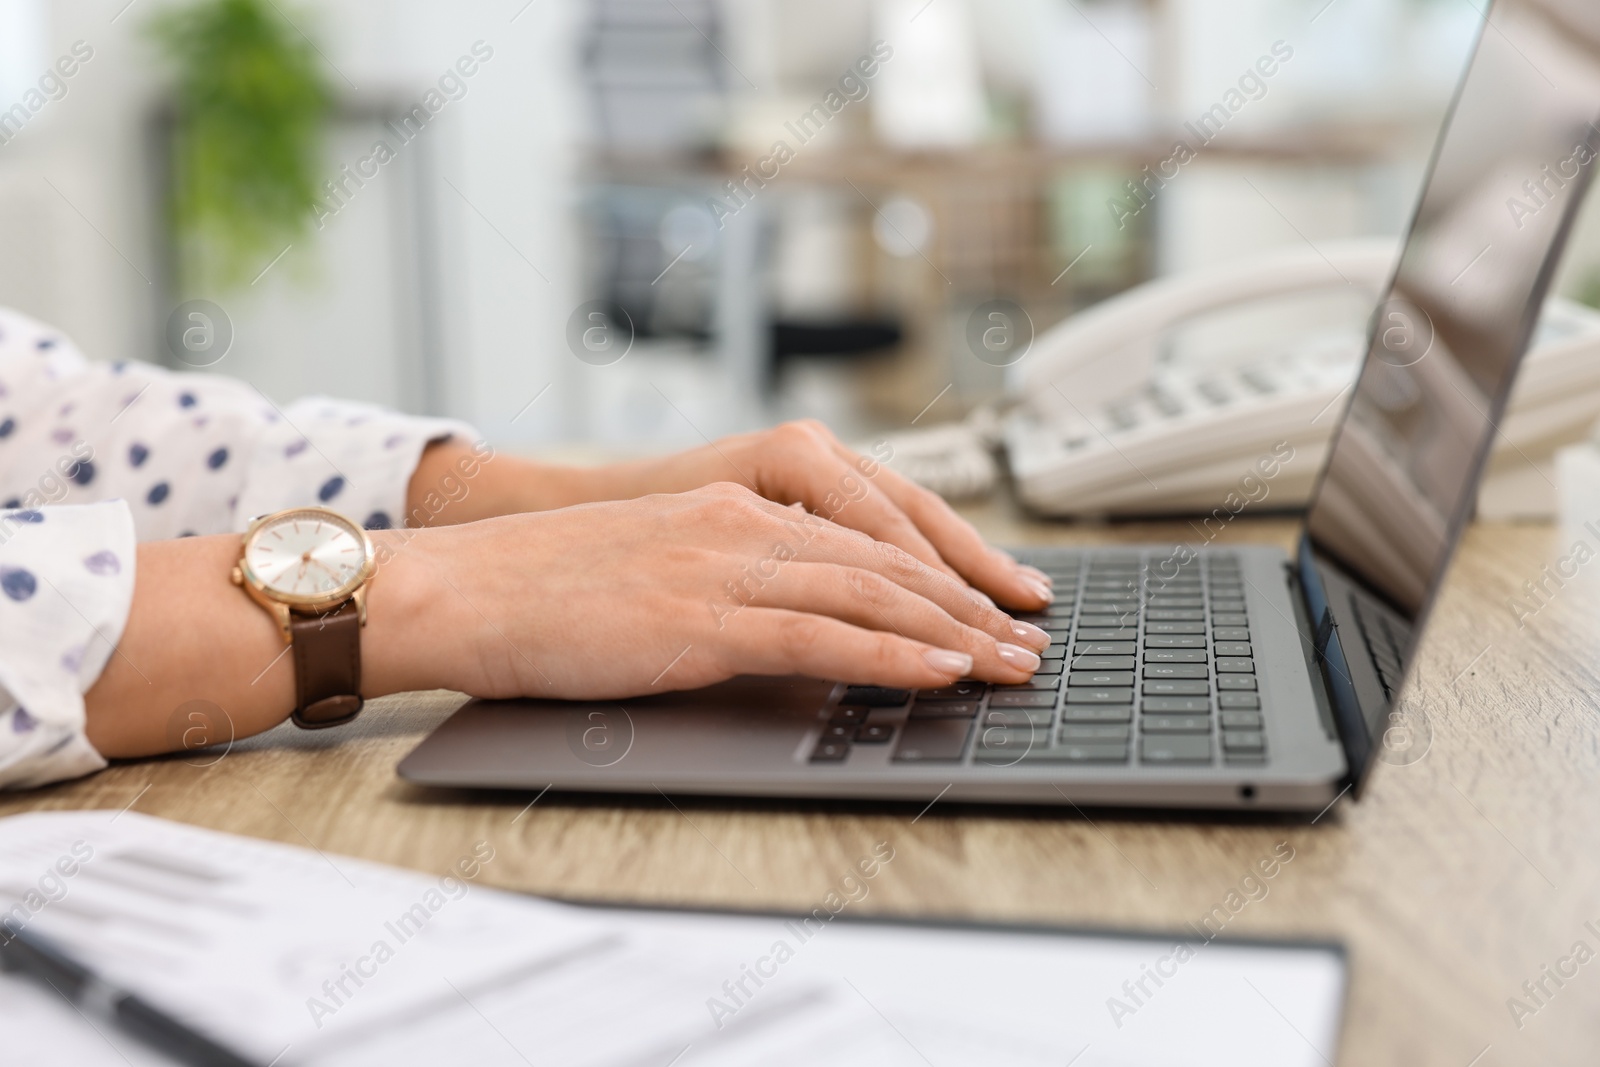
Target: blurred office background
568 182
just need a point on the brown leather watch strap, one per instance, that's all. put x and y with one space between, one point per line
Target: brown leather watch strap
327 667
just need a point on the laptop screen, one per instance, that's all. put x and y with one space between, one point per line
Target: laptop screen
1511 165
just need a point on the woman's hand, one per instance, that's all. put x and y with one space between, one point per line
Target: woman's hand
676 591
796 463
803 462
597 600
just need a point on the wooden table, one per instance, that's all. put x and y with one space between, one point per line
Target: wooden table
1454 880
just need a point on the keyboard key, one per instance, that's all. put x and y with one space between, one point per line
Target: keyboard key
1229 619
828 751
1175 748
1023 717
1106 752
1055 651
1103 648
1176 670
838 731
1099 696
1176 705
872 696
1038 681
1241 720
1243 741
1177 615
960 691
1175 628
1011 739
1108 622
963 710
1104 633
1049 666
1176 655
1110 603
875 733
1167 601
1023 698
1109 731
1175 724
1103 663
1238 700
1100 678
1235 665
855 716
1232 648
932 741
1231 633
1095 713
1176 689
1236 681
1175 641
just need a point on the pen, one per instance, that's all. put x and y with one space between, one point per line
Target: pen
40 958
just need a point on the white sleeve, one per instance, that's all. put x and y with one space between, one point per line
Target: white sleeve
66 586
191 453
94 457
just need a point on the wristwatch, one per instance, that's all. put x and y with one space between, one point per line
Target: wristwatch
309 568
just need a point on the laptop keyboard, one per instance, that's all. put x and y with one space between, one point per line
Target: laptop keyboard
1150 663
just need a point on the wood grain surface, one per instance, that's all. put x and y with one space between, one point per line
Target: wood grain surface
1471 864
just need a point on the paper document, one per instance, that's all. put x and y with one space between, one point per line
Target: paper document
293 957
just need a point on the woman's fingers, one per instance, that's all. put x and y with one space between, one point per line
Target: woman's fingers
869 600
827 480
958 544
779 641
805 460
820 541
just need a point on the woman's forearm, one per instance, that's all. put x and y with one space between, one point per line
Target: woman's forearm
195 642
456 482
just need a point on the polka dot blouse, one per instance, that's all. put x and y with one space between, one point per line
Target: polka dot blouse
96 457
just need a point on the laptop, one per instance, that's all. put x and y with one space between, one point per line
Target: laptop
1182 676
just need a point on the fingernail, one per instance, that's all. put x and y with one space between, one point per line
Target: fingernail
1030 634
1038 588
1036 573
981 597
1019 657
947 662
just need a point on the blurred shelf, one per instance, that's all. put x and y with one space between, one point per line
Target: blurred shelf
1341 144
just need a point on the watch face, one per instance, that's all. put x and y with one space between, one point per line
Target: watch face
307 555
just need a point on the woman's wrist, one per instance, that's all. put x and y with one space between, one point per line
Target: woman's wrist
408 604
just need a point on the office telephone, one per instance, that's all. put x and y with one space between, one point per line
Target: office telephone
1160 400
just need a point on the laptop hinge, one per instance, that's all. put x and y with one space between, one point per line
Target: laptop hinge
1311 641
1331 666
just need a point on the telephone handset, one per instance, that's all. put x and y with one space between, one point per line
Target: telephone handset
1159 400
